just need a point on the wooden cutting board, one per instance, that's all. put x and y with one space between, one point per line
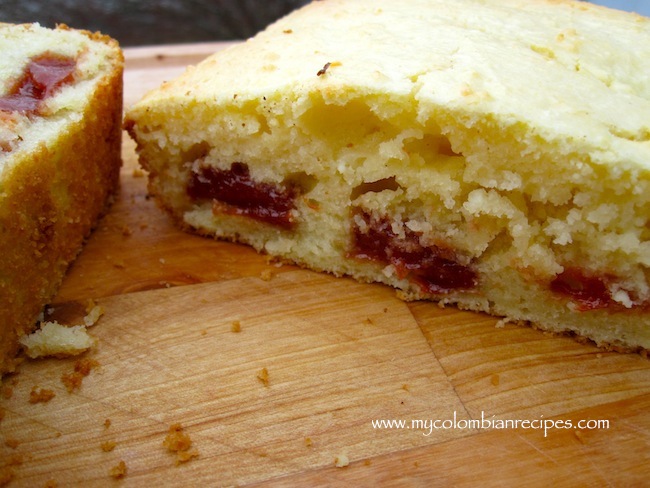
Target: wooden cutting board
277 374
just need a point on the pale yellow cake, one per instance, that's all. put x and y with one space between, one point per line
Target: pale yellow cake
493 154
60 143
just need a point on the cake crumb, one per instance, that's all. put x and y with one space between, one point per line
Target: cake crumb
494 379
501 323
341 461
85 365
40 396
274 261
185 456
308 442
405 387
107 423
180 443
235 326
118 471
50 484
263 376
93 313
82 368
266 275
54 339
108 446
176 440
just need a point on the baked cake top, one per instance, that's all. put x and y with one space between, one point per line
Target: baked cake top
570 71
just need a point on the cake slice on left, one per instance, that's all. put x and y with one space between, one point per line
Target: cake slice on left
60 157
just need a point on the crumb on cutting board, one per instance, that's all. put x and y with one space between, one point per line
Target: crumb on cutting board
263 376
58 340
82 368
180 443
54 339
341 461
93 313
108 446
41 395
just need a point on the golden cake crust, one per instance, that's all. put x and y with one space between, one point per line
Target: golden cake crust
50 199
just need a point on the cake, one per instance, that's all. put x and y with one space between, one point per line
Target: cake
60 156
492 154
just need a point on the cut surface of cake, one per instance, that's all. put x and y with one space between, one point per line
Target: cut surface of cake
60 156
492 154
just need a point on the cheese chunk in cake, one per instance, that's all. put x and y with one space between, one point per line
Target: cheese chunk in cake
493 154
60 155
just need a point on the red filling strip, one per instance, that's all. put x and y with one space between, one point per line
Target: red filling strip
435 269
589 292
266 202
42 76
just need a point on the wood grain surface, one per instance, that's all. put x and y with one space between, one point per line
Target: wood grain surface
277 373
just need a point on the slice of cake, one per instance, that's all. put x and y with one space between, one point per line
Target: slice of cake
494 154
60 142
